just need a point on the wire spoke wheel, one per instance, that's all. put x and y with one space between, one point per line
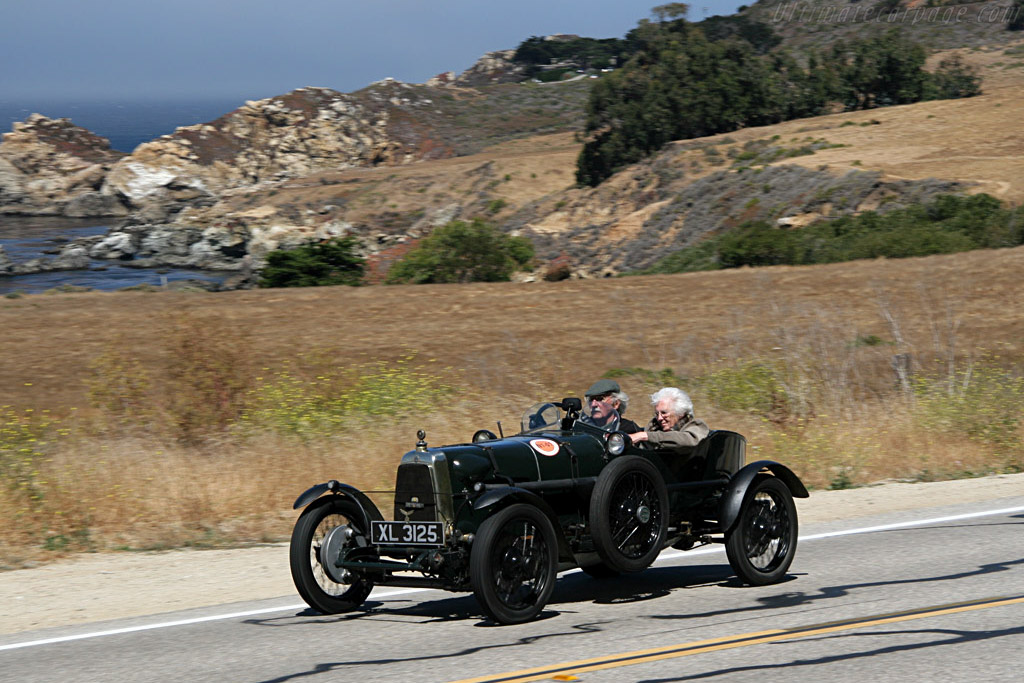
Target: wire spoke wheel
629 514
763 543
635 516
512 565
326 528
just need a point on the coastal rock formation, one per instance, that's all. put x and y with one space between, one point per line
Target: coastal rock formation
493 67
227 246
51 167
71 257
289 136
6 265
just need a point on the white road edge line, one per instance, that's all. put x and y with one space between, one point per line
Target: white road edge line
387 593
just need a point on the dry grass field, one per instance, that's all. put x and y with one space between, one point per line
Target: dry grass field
828 333
146 420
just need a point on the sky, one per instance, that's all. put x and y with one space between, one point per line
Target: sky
137 50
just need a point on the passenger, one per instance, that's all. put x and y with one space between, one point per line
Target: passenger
605 395
673 426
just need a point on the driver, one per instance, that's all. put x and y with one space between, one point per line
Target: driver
605 398
673 426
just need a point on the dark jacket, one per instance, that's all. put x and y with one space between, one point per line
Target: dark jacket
628 426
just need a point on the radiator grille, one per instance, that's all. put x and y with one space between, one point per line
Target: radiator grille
414 494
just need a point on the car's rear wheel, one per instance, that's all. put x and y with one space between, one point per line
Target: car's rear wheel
629 514
513 563
762 544
341 523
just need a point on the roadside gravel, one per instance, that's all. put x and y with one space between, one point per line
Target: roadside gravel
106 586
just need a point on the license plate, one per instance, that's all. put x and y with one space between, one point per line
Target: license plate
407 533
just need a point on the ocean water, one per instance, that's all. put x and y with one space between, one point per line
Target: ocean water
126 125
25 238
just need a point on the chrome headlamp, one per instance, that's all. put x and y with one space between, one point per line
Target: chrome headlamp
616 443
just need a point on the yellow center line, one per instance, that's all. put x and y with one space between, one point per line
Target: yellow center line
567 670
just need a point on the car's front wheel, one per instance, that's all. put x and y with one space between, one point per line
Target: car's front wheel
513 563
629 514
327 589
762 544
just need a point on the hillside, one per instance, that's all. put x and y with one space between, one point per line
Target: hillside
799 169
941 25
392 161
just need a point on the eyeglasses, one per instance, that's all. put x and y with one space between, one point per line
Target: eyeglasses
600 397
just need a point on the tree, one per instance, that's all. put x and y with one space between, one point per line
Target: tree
1015 21
953 79
463 252
333 262
677 85
670 11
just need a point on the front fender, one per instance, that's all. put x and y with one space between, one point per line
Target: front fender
509 495
731 503
337 488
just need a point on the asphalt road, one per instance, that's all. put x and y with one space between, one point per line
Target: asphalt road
934 594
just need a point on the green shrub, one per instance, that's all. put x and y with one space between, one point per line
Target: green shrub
981 402
757 244
339 397
23 438
463 252
946 225
333 262
663 377
751 387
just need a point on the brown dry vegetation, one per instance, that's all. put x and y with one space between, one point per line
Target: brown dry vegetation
501 346
161 464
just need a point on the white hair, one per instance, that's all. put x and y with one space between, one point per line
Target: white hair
623 400
680 402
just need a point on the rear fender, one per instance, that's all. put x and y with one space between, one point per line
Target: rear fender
731 503
496 499
311 494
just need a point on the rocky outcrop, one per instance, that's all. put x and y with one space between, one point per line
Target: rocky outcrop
51 167
493 67
6 265
289 136
71 257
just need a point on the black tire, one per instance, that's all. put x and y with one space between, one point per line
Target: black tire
312 580
762 544
513 563
629 514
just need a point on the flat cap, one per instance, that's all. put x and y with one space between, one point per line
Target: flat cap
603 386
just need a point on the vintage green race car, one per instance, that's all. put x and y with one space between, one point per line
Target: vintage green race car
502 516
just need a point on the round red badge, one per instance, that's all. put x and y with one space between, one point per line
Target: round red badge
545 447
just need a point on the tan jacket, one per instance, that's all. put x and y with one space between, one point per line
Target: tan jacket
682 438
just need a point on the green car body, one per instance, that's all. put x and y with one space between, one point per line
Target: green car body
501 516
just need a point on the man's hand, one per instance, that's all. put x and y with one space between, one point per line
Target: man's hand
637 437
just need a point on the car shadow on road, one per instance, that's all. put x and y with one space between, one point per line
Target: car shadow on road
650 584
815 596
573 587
